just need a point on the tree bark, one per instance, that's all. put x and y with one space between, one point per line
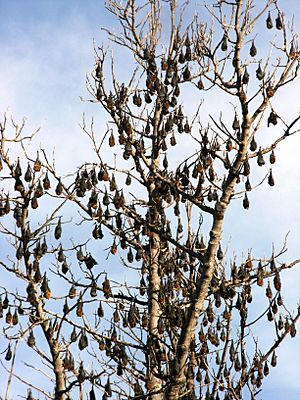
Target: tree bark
154 384
60 382
202 285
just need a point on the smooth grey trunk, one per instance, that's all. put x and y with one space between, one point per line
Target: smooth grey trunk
202 285
154 384
58 369
60 385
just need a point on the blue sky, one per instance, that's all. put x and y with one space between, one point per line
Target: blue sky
46 52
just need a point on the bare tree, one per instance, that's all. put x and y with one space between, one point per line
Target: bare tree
177 326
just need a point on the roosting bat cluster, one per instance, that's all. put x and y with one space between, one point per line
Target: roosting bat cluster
178 327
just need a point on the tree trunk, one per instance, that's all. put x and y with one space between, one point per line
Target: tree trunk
60 385
154 384
60 382
202 285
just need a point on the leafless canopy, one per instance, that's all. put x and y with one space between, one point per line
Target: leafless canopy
177 326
